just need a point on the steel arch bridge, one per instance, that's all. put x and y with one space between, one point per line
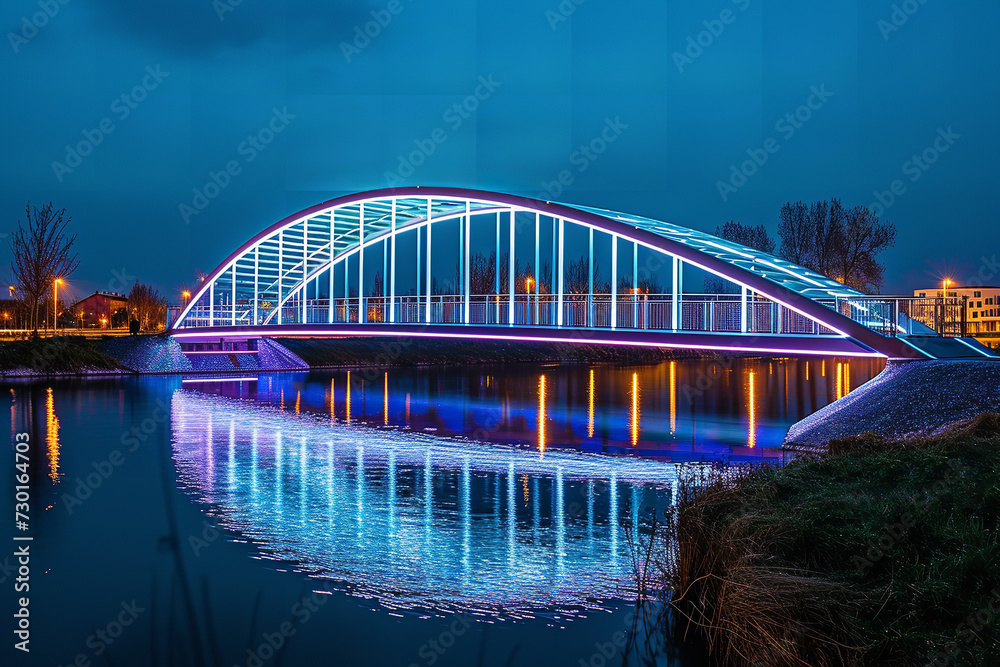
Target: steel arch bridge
370 264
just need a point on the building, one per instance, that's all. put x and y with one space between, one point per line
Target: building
981 305
103 310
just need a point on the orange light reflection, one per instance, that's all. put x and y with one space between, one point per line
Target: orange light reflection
590 405
541 413
52 436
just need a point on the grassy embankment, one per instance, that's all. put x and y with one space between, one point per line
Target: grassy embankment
875 553
61 354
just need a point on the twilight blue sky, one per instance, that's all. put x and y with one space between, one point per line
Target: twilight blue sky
682 123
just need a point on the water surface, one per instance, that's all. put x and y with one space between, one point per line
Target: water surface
408 501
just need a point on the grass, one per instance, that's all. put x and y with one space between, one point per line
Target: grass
60 354
875 553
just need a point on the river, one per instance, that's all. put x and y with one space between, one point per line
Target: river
420 516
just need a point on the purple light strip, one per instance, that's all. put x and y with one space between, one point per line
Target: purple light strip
546 339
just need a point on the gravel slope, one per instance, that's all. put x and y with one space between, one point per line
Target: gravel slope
912 397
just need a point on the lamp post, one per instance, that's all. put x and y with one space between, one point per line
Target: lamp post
528 283
944 303
55 305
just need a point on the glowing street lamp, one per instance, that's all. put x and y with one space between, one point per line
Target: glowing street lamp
528 283
944 302
185 295
55 305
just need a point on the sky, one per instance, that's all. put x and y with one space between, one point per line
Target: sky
122 111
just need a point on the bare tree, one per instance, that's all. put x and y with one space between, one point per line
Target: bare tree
483 273
578 278
41 253
840 243
751 236
147 306
857 247
826 224
797 240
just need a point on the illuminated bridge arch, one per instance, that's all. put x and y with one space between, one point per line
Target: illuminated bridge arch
371 264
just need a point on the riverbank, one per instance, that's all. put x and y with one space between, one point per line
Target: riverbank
879 551
59 355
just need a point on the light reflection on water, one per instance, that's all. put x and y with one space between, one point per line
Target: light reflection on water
414 521
383 482
691 410
51 436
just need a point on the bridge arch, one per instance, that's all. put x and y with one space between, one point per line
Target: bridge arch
306 274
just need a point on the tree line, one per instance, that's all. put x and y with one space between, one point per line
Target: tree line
826 237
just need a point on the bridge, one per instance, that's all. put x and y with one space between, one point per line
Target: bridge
457 263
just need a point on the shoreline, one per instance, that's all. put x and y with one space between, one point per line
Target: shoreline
908 399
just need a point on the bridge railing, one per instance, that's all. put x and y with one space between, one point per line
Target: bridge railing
904 315
728 313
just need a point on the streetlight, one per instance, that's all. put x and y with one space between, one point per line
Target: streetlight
528 283
55 305
944 303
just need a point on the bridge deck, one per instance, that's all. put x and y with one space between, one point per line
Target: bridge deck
776 344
